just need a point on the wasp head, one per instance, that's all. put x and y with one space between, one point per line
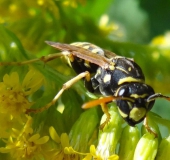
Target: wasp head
133 104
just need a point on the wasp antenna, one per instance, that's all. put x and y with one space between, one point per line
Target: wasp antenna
157 95
98 102
103 100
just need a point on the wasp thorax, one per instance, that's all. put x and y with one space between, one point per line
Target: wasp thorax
133 104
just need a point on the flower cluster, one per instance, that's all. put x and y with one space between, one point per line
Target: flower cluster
23 144
15 124
14 95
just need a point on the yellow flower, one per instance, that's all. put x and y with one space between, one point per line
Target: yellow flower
70 3
23 145
108 139
92 155
13 94
162 40
14 100
110 28
59 150
63 150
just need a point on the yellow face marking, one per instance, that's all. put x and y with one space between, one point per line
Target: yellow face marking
122 69
128 79
124 115
137 113
107 78
138 96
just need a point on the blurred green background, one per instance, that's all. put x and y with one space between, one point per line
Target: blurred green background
138 29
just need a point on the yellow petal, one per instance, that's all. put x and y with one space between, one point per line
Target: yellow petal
54 135
93 150
42 140
4 150
11 80
64 140
6 80
34 137
113 157
88 157
14 78
69 150
32 81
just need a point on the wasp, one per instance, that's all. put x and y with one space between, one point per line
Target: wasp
113 77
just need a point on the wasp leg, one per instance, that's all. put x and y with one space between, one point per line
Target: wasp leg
67 85
145 123
43 58
102 101
105 110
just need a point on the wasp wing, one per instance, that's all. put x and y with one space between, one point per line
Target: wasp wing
109 54
83 53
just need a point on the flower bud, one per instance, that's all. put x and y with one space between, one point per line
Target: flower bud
164 149
146 148
129 139
109 136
